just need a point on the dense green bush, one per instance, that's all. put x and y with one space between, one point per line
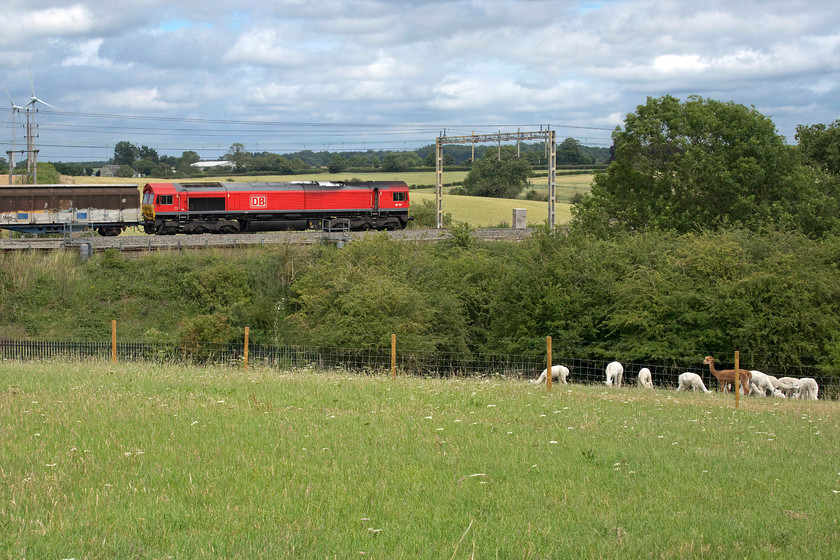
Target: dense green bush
202 333
655 297
58 296
424 215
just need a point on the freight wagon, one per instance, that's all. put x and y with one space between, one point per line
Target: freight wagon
108 209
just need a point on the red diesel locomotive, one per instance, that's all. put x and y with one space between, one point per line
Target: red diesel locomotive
170 208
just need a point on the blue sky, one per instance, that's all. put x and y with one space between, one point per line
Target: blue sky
376 74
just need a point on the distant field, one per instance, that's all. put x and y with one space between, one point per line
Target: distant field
491 212
567 185
475 211
166 461
483 212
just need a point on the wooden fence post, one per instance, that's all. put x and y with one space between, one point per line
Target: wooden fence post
548 362
247 331
737 377
393 355
114 341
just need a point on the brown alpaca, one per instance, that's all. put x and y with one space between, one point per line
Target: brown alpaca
726 376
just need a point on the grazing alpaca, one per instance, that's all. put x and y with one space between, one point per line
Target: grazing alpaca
775 383
762 385
689 380
725 376
558 373
755 391
808 389
789 386
614 372
645 378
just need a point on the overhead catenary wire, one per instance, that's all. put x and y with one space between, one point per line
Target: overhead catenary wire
211 138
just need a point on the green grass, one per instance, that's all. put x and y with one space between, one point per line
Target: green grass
146 461
481 212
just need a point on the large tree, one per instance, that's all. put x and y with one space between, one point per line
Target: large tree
400 161
498 177
151 154
570 151
238 156
338 164
820 146
700 164
187 159
125 153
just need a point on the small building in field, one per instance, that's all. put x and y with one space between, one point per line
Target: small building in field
107 171
205 165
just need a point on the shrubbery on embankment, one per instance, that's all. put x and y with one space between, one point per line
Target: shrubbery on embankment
646 297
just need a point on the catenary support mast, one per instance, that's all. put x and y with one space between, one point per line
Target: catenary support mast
551 144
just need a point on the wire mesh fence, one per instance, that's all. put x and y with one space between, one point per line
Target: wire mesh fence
379 361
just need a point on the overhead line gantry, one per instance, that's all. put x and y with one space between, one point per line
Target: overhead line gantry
547 135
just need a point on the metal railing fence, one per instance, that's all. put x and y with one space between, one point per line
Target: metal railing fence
378 361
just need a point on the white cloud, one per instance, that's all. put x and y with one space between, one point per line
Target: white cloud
33 25
444 62
264 47
135 100
86 53
679 64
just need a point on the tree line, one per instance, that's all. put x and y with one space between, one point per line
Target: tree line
147 161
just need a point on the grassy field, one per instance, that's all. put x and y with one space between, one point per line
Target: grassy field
146 461
492 212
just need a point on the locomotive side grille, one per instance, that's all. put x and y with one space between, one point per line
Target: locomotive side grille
207 204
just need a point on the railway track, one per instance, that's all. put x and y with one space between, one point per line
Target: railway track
141 243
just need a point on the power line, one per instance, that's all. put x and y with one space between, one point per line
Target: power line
199 134
426 126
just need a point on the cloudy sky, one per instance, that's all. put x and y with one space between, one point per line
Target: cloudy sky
287 75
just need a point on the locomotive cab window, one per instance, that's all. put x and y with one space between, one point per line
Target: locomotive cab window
399 197
164 199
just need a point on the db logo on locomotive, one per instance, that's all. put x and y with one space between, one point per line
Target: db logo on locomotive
259 201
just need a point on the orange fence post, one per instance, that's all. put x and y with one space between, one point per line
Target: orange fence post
247 331
737 377
548 362
114 341
393 355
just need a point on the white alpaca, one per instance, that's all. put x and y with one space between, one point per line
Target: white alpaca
761 384
614 372
775 383
689 380
788 385
808 389
558 373
645 378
